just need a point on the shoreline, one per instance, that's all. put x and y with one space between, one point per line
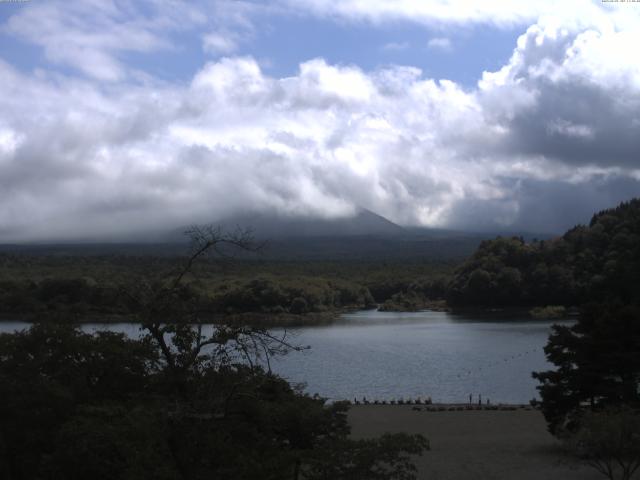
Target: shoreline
259 319
249 318
448 406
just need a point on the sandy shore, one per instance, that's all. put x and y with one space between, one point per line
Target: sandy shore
469 445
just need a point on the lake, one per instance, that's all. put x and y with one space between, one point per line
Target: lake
389 355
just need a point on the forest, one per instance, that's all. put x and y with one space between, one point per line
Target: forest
588 262
93 286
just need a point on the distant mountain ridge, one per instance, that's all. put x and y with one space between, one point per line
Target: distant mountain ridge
364 236
273 226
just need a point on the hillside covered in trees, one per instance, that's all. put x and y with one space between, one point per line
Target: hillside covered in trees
79 286
588 263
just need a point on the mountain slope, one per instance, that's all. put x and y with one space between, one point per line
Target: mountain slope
364 222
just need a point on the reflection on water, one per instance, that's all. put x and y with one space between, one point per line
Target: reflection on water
385 355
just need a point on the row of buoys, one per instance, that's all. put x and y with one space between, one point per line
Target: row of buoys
495 364
460 408
429 407
399 401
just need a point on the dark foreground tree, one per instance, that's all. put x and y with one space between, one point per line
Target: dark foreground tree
609 441
180 402
597 365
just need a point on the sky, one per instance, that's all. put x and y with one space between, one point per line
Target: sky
119 117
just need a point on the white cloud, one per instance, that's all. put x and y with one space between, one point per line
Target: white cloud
440 43
79 155
395 46
9 141
500 13
218 43
563 97
564 127
92 35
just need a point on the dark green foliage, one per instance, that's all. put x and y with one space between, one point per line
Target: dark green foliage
299 305
61 297
596 262
398 281
109 442
77 406
48 372
598 364
74 288
549 312
290 294
404 302
608 441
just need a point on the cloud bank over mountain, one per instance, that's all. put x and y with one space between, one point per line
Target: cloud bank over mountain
91 143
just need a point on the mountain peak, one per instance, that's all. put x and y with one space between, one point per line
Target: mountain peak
364 222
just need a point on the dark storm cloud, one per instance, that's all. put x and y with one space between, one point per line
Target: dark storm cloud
546 207
576 98
566 205
578 123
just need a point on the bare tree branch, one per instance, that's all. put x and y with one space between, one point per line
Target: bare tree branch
170 317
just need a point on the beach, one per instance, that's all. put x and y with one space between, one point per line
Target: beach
475 444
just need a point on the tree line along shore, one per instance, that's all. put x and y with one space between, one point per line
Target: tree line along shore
591 262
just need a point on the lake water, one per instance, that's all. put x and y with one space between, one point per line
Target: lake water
388 355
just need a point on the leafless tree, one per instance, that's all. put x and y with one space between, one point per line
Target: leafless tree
170 314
